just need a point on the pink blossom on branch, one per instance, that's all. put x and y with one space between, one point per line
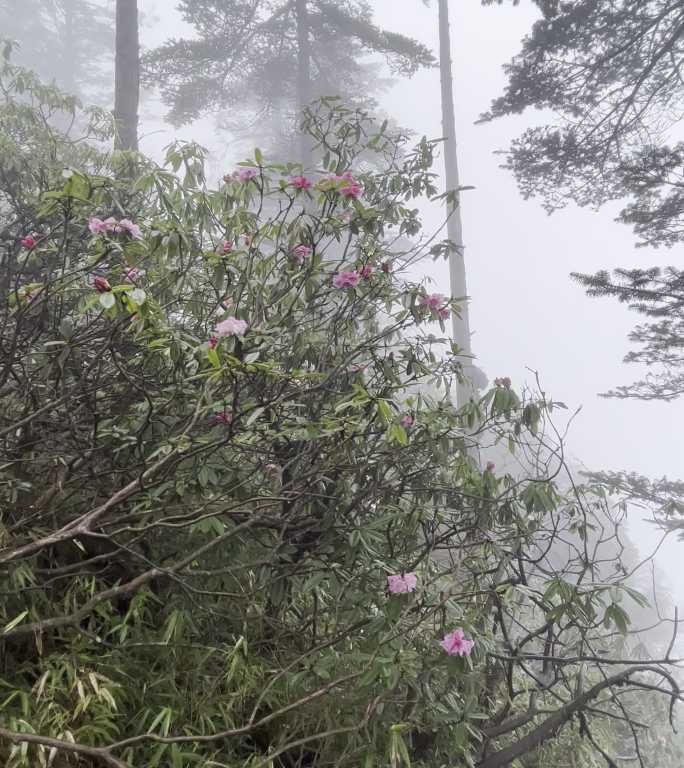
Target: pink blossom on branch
226 246
101 284
222 417
366 271
352 189
402 583
231 326
29 242
101 226
301 182
406 421
456 644
213 342
126 225
433 301
343 280
302 252
133 274
247 174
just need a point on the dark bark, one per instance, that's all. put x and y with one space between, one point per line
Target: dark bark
553 724
127 75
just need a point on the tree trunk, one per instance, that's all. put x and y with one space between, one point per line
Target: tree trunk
127 75
457 274
303 77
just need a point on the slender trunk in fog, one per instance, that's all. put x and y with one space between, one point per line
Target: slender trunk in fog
303 76
127 75
457 274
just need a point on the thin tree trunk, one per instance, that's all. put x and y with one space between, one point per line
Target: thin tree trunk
303 77
127 75
457 274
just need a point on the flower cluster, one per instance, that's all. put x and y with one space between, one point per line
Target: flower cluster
222 417
29 242
302 252
436 303
133 274
301 182
347 279
243 175
456 644
101 284
345 184
104 227
231 326
503 382
402 583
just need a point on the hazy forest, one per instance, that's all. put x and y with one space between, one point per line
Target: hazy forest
341 364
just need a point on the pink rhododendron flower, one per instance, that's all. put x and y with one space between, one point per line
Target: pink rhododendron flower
126 225
366 272
402 583
491 466
433 301
302 252
246 174
301 182
406 421
456 644
28 242
226 246
231 326
101 284
503 382
213 342
444 313
344 280
222 417
134 274
101 227
351 188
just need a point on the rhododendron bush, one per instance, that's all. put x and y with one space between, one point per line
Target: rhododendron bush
243 523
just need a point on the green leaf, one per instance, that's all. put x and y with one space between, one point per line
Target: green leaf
12 624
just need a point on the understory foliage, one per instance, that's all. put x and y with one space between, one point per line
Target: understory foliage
226 420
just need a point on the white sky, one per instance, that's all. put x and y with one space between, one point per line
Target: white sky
525 311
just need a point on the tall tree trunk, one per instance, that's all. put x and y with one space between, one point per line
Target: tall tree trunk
127 75
457 274
303 76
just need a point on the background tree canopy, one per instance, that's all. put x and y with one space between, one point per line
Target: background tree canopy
247 58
